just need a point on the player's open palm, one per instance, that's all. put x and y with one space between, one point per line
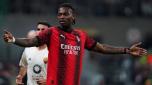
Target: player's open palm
135 50
8 37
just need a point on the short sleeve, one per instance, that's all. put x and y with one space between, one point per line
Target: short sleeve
23 60
44 37
89 43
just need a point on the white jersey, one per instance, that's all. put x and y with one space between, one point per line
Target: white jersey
32 58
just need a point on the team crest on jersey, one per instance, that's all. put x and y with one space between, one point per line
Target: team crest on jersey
37 69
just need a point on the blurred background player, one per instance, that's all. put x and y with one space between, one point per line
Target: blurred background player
32 60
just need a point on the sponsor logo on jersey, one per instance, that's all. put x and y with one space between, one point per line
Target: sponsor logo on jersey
70 49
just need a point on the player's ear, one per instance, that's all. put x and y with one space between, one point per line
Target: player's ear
73 19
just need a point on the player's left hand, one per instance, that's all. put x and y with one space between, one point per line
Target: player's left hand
41 81
135 50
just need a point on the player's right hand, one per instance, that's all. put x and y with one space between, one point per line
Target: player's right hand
41 81
8 37
19 80
45 60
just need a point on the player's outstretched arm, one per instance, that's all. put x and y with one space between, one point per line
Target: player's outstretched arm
24 42
107 49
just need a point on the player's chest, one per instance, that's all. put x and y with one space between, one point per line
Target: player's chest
69 38
36 57
67 43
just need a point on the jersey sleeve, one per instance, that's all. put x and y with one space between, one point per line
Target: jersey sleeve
89 43
44 37
23 60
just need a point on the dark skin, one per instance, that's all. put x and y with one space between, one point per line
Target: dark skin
66 17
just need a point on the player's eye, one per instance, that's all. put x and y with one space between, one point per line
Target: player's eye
59 14
42 29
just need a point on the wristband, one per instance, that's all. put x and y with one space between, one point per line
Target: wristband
127 50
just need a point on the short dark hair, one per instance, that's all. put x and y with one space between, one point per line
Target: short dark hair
44 23
68 5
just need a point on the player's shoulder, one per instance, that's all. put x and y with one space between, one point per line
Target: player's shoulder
53 27
29 50
80 30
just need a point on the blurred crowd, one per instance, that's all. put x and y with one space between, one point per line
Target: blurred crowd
8 71
85 7
120 69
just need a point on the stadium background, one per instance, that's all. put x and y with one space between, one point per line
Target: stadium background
115 22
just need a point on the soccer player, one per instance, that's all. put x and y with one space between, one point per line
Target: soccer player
66 48
32 60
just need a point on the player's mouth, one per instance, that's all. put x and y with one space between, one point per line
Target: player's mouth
62 21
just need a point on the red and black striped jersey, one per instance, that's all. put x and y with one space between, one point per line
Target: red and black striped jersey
65 54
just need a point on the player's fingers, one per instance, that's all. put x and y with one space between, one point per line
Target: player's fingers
38 81
19 83
6 38
143 51
136 44
5 35
7 32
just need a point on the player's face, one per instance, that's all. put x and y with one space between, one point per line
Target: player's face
31 34
65 16
41 27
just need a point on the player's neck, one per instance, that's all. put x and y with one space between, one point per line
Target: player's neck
66 28
42 47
